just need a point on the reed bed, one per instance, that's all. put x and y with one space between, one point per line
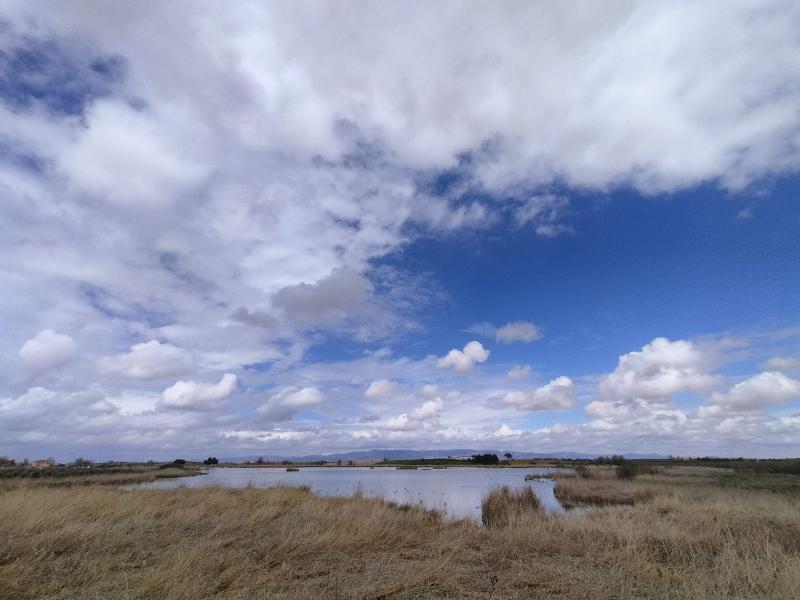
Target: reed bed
504 505
574 491
687 541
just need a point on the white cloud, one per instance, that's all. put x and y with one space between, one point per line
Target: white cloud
190 395
234 206
382 388
517 331
504 431
544 213
29 410
626 407
133 402
432 390
595 134
47 350
282 405
149 361
558 394
121 158
660 369
464 360
753 394
519 372
425 415
783 363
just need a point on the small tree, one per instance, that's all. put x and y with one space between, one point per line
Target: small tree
81 463
508 456
211 460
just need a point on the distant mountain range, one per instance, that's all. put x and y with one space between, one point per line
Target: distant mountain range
378 454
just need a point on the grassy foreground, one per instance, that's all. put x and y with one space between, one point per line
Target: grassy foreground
674 535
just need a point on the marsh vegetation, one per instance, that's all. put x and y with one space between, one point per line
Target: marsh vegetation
677 533
93 474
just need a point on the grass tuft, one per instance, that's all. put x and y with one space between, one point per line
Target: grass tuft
501 506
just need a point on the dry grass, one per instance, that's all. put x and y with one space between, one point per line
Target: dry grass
141 474
689 541
502 506
577 491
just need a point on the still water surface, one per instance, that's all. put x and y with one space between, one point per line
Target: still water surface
456 491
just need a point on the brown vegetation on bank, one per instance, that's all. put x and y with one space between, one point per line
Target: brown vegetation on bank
117 476
693 539
599 486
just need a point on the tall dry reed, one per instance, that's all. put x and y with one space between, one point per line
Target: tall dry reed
501 506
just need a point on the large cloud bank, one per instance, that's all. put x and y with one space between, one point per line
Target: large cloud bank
196 193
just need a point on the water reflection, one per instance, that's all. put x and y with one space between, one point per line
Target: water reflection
456 492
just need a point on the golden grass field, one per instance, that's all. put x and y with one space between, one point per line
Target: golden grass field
675 534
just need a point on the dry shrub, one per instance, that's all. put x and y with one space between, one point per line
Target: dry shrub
499 507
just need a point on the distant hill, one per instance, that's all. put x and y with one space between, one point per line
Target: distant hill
378 454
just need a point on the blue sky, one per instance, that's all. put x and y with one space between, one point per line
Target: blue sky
276 229
632 268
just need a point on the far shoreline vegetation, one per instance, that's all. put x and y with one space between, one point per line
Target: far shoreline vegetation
700 528
151 470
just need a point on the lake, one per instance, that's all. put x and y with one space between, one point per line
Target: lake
456 492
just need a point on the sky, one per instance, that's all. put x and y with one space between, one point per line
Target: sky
279 228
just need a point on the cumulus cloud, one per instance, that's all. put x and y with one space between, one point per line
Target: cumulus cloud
191 395
149 361
646 380
519 372
234 205
464 360
559 393
661 369
382 388
283 404
517 331
39 407
47 350
753 394
504 431
425 415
